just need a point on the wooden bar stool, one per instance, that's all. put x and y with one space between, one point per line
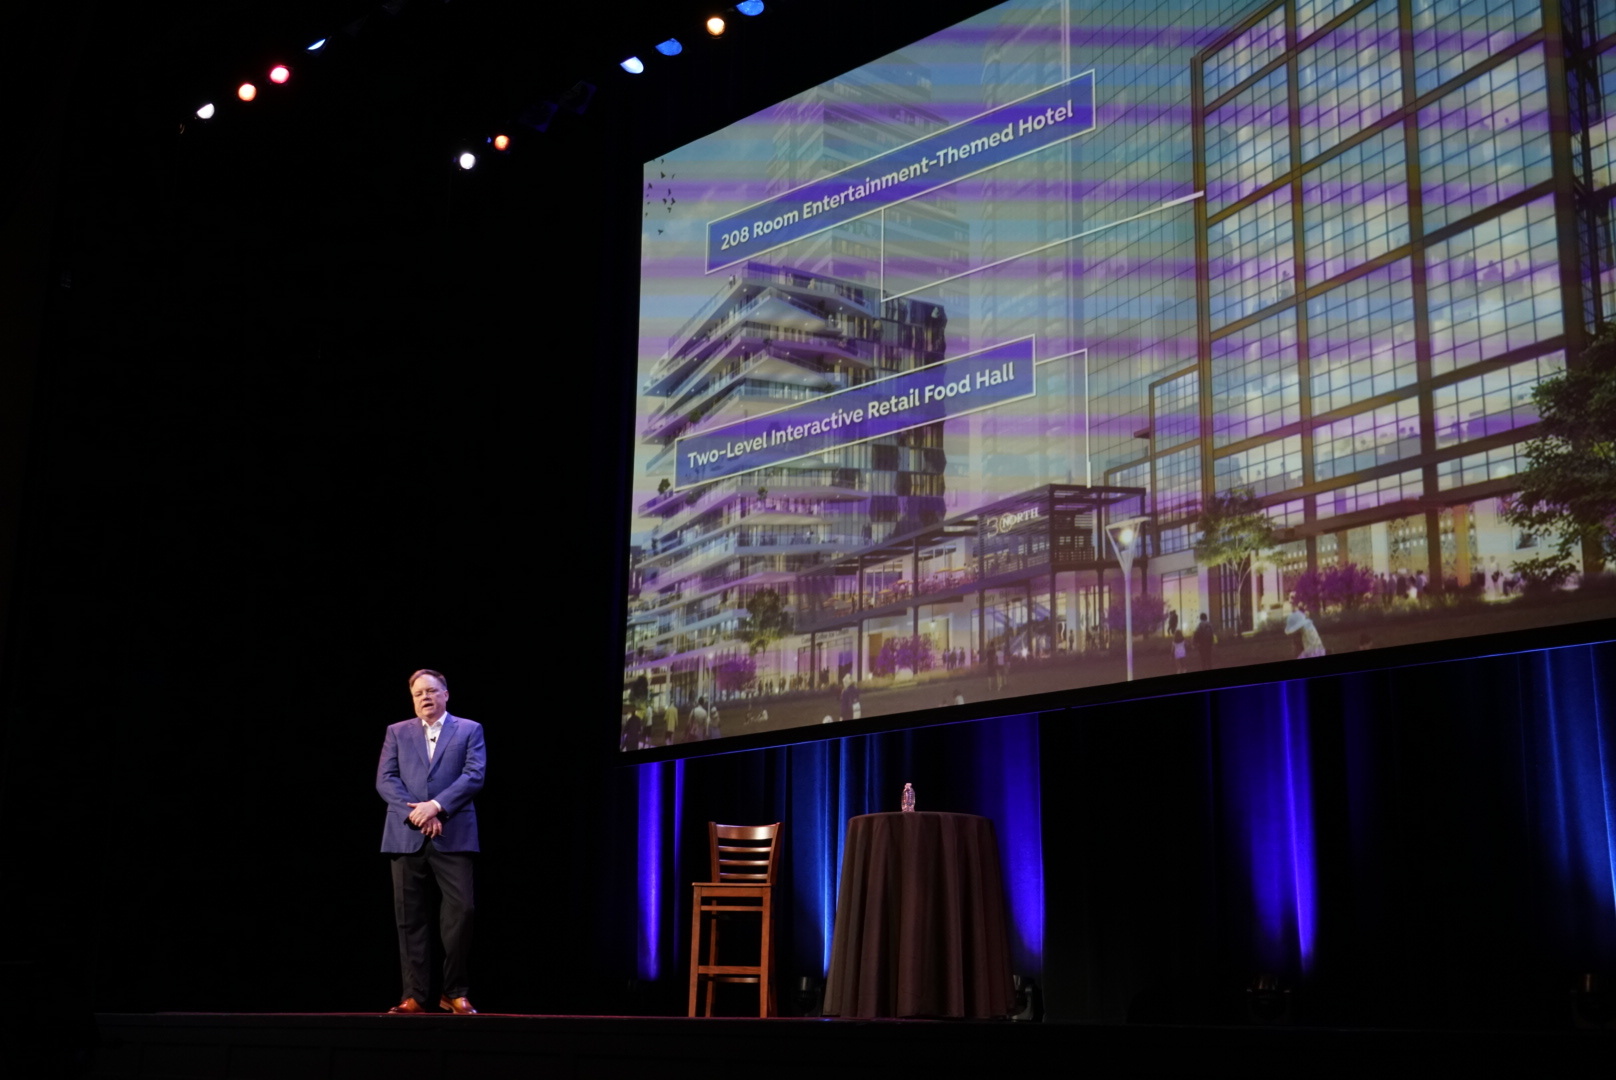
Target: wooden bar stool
743 859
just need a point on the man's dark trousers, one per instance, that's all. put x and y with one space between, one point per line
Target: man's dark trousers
412 909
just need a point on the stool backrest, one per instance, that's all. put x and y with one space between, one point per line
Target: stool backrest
744 853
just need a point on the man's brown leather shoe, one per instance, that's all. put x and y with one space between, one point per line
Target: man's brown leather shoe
407 1006
460 1006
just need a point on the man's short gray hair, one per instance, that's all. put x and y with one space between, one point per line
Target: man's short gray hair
443 680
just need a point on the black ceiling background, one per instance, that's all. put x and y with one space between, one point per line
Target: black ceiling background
292 406
295 368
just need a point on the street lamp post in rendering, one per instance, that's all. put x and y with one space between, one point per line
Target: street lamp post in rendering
1125 537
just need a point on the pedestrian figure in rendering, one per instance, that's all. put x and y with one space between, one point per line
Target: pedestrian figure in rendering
1180 652
1203 641
1306 634
693 728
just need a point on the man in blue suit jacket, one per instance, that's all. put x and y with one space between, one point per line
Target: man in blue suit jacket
431 768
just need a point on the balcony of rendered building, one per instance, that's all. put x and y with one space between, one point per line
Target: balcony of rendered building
778 523
766 294
680 646
678 509
702 618
760 561
759 368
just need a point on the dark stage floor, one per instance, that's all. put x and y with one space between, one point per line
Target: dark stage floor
313 1047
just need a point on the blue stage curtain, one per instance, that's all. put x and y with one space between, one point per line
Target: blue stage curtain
1568 771
1373 835
986 767
1266 776
651 876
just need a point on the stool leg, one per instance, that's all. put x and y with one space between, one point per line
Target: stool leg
766 962
712 959
695 949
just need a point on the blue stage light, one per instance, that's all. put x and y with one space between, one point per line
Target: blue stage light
750 7
633 65
317 46
671 47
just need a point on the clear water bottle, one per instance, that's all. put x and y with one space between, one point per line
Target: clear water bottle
908 798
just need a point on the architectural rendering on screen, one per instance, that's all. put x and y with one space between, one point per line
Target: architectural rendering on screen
1086 342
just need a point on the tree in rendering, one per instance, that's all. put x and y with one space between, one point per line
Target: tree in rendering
767 620
1568 489
1234 532
1149 612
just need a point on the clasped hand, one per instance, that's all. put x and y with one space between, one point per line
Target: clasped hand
424 816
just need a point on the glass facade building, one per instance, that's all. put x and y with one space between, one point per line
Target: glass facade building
1405 227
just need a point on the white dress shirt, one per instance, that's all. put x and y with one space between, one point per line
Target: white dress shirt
432 731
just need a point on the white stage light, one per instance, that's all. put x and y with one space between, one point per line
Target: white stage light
633 65
467 160
205 112
317 46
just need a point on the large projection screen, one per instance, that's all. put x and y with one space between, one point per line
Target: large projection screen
1250 299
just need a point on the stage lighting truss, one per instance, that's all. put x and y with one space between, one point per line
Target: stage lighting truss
536 118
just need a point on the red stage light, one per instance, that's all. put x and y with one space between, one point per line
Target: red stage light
246 91
279 74
502 142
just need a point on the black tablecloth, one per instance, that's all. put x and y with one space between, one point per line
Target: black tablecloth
920 923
